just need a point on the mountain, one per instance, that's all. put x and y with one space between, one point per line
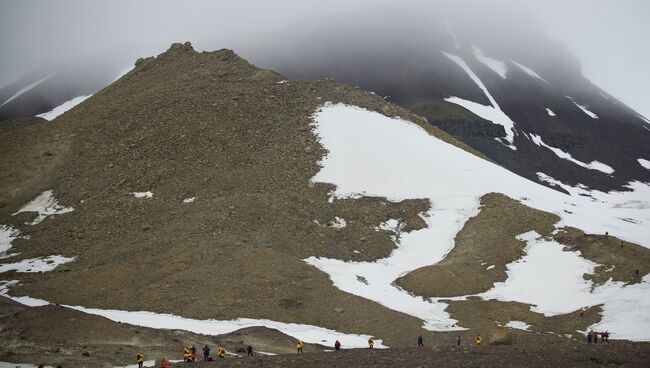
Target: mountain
526 104
524 101
199 192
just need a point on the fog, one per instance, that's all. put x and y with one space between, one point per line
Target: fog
607 37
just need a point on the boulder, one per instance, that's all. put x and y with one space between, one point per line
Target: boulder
502 336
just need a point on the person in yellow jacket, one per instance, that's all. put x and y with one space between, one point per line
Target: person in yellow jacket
187 356
221 352
299 346
140 358
371 343
478 340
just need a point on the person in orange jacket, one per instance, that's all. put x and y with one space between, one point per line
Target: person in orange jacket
299 347
371 343
478 340
221 352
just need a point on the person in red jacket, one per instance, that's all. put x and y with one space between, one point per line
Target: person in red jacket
164 363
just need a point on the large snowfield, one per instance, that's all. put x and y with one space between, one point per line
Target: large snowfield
399 160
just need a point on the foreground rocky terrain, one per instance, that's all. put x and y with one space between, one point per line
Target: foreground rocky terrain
62 336
615 354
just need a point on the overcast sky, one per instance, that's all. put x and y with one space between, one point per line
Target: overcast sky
609 37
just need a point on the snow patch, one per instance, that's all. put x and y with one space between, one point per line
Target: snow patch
55 112
306 333
645 163
25 300
583 108
530 72
337 223
7 235
186 200
519 325
627 313
550 112
593 165
498 66
20 365
43 264
529 281
490 267
626 309
146 363
27 88
45 205
492 113
143 194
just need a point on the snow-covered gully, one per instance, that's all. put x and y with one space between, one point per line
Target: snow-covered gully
492 112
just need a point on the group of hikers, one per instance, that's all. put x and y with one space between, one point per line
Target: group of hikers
593 336
189 354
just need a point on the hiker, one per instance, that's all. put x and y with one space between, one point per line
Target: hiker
193 352
186 354
140 358
299 347
637 271
589 337
621 244
478 340
221 352
606 336
206 353
582 311
164 363
337 345
41 365
371 343
249 351
458 340
595 337
606 234
420 342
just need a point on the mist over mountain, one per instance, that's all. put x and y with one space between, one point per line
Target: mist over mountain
402 53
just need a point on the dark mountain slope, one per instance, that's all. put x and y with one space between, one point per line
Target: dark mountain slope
409 67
